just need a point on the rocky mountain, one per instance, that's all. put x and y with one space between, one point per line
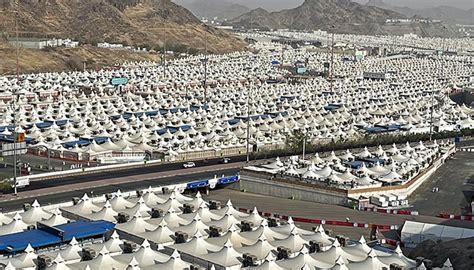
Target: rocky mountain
145 23
341 16
222 10
447 14
460 252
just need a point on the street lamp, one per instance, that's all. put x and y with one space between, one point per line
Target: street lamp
304 146
206 28
248 124
331 70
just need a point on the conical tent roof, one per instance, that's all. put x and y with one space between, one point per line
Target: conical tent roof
16 225
35 213
334 252
84 207
161 235
261 249
371 262
226 257
56 219
397 257
113 245
294 242
144 256
235 237
266 265
174 263
71 252
303 260
106 213
319 236
25 260
136 225
197 246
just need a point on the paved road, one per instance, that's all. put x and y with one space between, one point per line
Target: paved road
451 180
297 208
65 193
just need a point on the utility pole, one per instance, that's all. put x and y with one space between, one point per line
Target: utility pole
432 92
332 60
304 146
14 98
163 59
431 115
205 64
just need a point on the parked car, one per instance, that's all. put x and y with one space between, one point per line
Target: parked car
189 165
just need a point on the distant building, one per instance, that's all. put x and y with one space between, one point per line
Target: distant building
106 45
376 75
41 43
360 55
225 27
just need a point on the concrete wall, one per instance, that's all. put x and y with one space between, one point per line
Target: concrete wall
273 188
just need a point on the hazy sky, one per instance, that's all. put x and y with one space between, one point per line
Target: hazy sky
282 4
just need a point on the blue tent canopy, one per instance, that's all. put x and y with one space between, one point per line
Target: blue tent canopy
173 129
355 164
381 129
10 127
47 236
85 141
374 160
9 139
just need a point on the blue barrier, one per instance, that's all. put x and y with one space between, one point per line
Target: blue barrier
228 180
198 184
205 182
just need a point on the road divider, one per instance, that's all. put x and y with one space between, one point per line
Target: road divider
390 211
382 227
457 217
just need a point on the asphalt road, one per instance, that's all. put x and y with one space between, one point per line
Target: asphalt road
314 210
451 179
97 191
123 173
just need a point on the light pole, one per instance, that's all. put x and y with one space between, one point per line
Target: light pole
14 98
431 115
304 146
205 63
163 59
14 147
332 59
248 125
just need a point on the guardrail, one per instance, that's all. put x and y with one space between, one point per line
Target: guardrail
457 217
390 211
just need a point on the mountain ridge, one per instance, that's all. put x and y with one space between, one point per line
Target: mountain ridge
222 10
144 23
449 14
346 16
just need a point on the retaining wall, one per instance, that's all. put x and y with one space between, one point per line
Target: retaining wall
285 189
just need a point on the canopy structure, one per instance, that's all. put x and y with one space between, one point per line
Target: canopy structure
45 235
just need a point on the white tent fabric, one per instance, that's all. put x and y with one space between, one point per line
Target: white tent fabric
414 233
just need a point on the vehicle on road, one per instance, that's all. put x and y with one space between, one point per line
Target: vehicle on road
189 165
225 160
